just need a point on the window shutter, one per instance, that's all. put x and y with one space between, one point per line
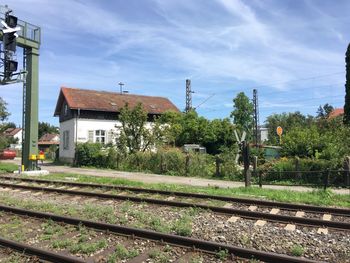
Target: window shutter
110 136
90 136
66 140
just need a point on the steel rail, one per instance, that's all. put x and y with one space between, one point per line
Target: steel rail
306 208
206 246
225 210
40 253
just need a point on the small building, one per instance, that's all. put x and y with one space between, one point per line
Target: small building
16 134
48 140
92 116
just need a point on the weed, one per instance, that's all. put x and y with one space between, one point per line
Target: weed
196 259
159 256
183 226
122 253
297 250
222 254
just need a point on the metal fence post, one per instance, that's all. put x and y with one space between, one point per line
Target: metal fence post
217 166
187 164
245 154
326 179
347 171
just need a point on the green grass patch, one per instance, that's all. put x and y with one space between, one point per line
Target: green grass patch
316 197
297 250
8 167
121 253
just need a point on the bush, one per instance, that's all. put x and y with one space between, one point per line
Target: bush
89 154
165 161
302 171
228 167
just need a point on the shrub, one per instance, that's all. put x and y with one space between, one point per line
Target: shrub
88 154
303 171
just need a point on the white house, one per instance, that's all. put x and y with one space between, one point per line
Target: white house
91 115
15 133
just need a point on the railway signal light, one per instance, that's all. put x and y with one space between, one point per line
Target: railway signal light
10 67
9 30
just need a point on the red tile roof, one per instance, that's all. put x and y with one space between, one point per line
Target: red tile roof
336 112
12 131
48 137
110 101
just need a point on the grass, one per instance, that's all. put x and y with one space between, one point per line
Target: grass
316 197
141 219
222 254
80 246
297 250
122 253
8 167
159 256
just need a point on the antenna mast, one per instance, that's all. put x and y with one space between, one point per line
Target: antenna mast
256 117
188 96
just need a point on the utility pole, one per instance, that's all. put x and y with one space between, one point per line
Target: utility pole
256 117
188 96
121 84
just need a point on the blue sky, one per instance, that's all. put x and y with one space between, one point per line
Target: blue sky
291 51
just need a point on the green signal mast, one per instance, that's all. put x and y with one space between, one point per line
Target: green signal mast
17 33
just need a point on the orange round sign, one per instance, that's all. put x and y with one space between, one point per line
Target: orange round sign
279 130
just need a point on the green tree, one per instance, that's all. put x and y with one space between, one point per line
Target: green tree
347 88
172 127
135 135
323 112
223 138
45 127
243 112
302 142
287 121
4 114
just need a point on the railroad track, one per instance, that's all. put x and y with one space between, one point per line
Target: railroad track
262 217
248 201
174 240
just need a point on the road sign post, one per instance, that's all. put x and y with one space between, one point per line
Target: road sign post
279 131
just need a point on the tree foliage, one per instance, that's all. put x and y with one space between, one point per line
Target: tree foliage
243 112
189 128
324 111
287 121
136 133
45 127
347 89
4 114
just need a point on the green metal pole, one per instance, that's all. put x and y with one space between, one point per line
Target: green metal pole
30 146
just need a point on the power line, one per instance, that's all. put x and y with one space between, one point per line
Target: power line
288 101
204 101
288 81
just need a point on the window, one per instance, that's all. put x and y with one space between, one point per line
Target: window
66 140
100 136
65 109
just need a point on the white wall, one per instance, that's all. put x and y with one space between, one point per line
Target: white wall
18 136
81 135
86 125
